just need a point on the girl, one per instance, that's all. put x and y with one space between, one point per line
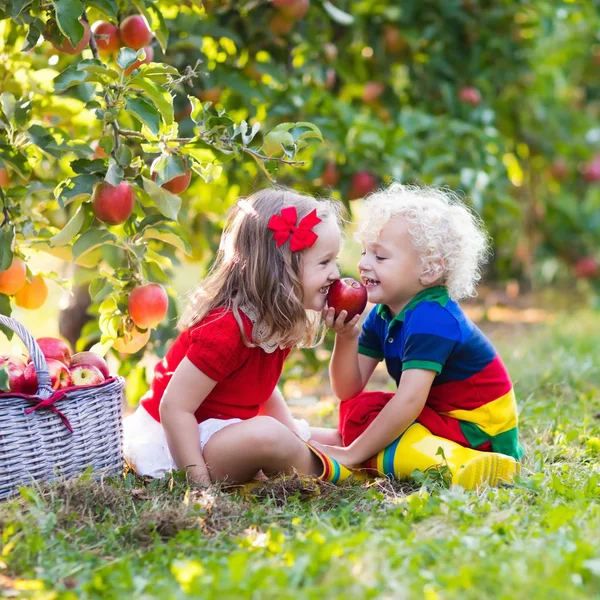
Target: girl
214 408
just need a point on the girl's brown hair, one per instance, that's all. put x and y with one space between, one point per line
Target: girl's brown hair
250 271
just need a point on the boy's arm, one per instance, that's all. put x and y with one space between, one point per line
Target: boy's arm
349 371
395 417
186 391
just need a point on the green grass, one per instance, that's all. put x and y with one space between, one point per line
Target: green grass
298 539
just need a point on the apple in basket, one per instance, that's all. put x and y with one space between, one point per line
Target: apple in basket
14 368
60 377
90 358
86 375
56 349
349 295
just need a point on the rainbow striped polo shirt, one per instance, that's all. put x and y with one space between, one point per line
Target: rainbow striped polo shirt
472 393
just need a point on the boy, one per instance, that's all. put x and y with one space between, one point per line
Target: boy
422 251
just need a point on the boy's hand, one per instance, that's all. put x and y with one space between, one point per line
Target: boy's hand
347 330
340 453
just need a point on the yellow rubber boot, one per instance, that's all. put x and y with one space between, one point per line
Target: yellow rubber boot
333 471
417 449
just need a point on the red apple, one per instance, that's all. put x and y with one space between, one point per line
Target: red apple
113 204
392 39
62 44
591 170
107 37
470 95
86 375
60 377
372 91
331 175
362 183
559 169
93 359
294 10
178 184
148 305
586 267
4 178
15 368
56 349
280 24
349 295
135 32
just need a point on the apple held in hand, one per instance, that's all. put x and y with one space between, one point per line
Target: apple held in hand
56 349
86 375
349 295
92 359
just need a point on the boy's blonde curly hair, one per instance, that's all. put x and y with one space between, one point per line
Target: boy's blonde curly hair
442 229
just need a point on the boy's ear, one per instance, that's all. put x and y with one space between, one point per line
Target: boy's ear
433 271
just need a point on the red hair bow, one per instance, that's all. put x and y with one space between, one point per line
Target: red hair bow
283 227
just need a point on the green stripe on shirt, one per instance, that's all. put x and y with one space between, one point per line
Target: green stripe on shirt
428 365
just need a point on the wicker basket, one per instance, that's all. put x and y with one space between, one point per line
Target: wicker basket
58 433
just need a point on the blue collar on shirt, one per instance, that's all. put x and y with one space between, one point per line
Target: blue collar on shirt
437 294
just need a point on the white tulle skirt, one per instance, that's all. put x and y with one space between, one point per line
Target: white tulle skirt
145 445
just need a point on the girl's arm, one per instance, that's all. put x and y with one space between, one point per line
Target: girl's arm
394 419
185 393
349 371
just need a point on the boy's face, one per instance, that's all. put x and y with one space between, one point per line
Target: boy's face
319 267
390 267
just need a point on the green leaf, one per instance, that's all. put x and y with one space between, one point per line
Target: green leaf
17 160
169 237
6 248
126 57
115 174
70 230
75 188
166 167
91 239
36 28
108 7
96 286
160 97
4 378
145 113
45 141
153 272
8 103
168 204
6 309
339 16
69 77
68 13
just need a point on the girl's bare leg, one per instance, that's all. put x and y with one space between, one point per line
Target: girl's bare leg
326 435
238 452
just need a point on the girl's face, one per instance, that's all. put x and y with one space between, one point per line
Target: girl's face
319 267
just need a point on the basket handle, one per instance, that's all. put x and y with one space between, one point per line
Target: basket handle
39 361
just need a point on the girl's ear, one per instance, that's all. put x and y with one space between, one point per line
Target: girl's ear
432 272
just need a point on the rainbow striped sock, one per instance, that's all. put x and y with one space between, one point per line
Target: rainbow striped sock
333 471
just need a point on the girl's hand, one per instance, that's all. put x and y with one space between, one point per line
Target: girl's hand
340 453
347 330
199 476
